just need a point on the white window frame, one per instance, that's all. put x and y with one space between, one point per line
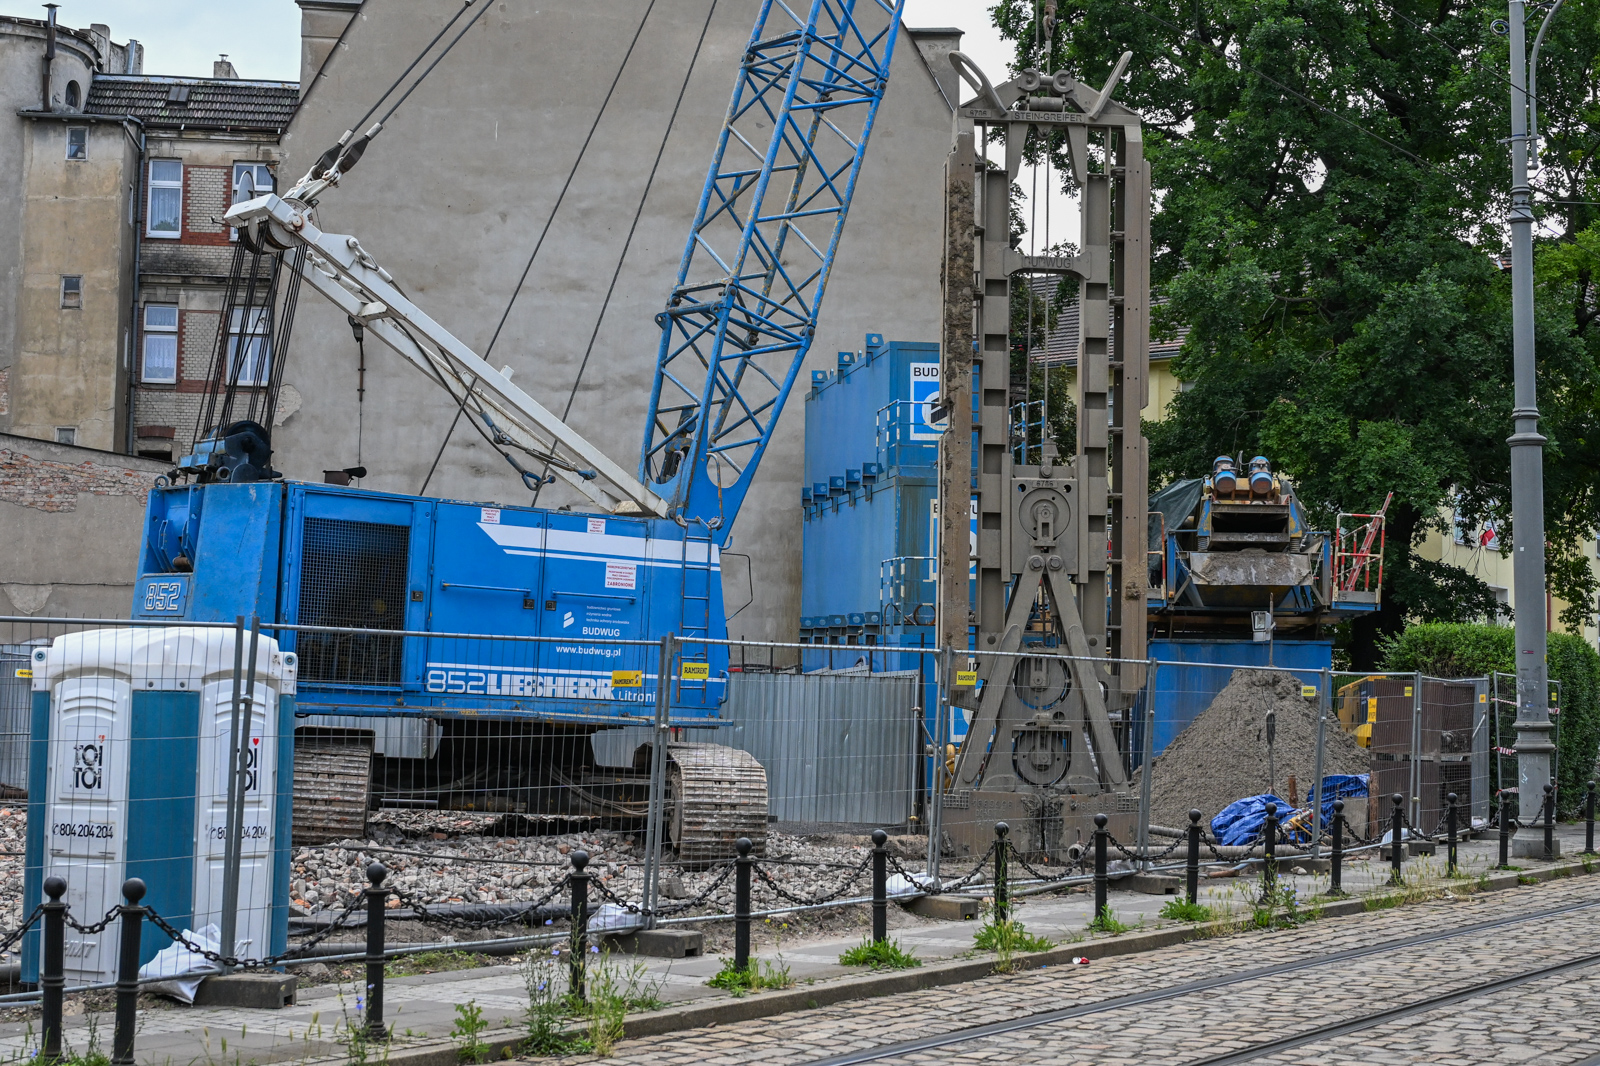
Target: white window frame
67 431
160 333
76 289
257 172
258 347
151 185
84 131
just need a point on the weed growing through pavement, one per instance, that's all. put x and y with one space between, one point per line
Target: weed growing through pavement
880 955
1107 922
431 962
753 978
1179 909
468 1032
1006 938
357 1040
611 992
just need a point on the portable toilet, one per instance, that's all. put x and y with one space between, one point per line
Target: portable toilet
130 740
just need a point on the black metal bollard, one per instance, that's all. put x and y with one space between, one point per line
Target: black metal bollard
127 1015
1001 871
1505 829
1588 820
377 898
1397 844
579 950
880 891
1450 829
1101 881
1191 864
1269 866
1549 823
52 969
741 904
1336 856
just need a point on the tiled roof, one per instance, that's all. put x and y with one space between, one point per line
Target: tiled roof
195 103
1061 346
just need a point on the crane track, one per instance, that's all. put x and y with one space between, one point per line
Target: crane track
962 1036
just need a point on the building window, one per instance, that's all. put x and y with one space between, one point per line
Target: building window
165 215
160 344
66 435
77 142
74 95
249 347
249 181
72 291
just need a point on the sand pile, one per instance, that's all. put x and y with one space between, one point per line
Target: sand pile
1222 756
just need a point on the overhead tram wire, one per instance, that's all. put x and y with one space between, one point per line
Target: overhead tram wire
633 227
543 233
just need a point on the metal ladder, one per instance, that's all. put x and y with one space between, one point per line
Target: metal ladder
694 617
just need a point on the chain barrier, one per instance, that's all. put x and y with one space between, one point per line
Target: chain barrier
838 892
9 941
1070 871
98 927
455 921
971 875
230 962
1134 856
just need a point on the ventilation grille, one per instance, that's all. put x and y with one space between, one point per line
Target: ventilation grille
353 575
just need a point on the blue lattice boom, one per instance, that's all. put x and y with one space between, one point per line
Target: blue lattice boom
743 312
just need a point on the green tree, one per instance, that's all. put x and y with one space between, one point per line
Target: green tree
1330 191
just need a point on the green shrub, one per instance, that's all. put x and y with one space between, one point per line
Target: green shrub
1450 650
1179 909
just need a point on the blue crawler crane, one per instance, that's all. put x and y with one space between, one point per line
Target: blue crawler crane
510 627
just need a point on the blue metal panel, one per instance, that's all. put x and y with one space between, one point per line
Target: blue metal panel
1183 691
33 846
164 751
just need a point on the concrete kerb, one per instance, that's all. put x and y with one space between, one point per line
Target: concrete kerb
502 1043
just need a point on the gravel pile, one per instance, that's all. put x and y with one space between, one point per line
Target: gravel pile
1222 756
13 830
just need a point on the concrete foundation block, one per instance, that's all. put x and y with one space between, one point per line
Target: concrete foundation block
1310 866
945 908
260 991
1531 846
1422 847
660 943
1152 884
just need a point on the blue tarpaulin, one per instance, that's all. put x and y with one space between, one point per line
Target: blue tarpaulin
1240 821
1337 787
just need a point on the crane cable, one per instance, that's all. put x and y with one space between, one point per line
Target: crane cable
345 153
661 149
567 184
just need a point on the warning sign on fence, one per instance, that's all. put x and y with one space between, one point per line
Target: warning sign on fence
695 672
627 679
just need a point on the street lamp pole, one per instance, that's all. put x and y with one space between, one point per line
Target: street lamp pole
1527 457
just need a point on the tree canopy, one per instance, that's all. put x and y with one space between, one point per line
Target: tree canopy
1331 179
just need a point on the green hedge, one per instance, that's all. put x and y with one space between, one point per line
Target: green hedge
1448 650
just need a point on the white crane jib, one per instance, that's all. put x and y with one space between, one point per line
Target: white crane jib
340 269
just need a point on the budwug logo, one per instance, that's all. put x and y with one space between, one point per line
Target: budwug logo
567 620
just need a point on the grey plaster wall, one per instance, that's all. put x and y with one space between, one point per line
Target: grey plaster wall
453 195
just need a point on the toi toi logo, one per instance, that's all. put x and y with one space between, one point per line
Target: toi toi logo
88 765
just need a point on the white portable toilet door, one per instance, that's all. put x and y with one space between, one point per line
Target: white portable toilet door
254 922
86 807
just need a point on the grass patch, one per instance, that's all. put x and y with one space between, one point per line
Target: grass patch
1006 938
1179 909
611 992
431 962
880 955
753 978
1107 922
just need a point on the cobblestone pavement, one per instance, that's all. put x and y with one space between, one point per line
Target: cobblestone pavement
1543 1020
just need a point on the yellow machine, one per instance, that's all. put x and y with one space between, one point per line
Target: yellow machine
1358 709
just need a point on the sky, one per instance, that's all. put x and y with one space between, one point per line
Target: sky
262 40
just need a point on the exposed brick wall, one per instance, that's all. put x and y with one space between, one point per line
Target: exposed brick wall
53 486
206 195
197 343
164 407
5 391
186 259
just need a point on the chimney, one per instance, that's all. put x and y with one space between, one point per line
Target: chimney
936 43
135 57
223 69
49 54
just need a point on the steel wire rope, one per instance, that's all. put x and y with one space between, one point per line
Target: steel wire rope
1157 995
627 243
545 231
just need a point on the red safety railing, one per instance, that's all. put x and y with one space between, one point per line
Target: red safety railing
1358 551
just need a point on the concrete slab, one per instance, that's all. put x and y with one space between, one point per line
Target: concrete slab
945 908
660 943
1153 884
258 991
1532 847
